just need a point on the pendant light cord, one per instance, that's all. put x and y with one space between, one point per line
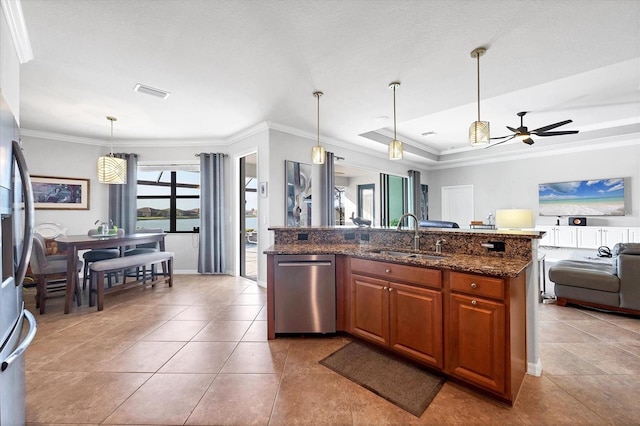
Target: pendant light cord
394 112
111 141
111 119
318 123
478 59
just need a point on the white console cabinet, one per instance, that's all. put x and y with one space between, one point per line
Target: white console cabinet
587 236
558 236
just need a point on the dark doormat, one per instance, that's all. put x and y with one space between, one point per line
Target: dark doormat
391 377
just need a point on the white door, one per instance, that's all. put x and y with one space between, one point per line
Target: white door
457 204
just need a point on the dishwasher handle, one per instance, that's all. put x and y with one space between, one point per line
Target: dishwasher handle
293 264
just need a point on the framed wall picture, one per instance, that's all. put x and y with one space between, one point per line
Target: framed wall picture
595 197
59 193
298 194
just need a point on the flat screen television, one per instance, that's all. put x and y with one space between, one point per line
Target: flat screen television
599 197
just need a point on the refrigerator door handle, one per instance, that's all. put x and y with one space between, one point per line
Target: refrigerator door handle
25 343
21 271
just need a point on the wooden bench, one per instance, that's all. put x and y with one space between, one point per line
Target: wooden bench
102 267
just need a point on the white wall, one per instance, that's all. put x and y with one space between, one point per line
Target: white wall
9 68
498 185
514 184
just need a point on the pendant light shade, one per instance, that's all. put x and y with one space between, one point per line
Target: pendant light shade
318 153
395 147
479 134
112 170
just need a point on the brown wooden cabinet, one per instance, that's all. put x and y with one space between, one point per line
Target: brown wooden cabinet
406 317
476 341
485 332
470 326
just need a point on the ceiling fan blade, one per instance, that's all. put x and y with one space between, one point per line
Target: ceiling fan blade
557 133
528 141
502 137
552 126
512 129
498 143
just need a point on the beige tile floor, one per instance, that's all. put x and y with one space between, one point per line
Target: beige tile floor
197 354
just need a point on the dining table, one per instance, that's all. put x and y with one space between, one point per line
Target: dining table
75 243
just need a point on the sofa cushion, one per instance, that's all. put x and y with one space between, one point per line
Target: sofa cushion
592 275
626 248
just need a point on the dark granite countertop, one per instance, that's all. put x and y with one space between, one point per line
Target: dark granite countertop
485 265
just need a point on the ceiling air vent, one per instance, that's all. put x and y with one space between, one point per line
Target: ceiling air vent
147 90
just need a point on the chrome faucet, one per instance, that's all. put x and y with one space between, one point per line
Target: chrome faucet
416 238
439 245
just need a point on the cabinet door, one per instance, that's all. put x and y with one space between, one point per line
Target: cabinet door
634 235
565 236
589 237
370 309
548 238
613 235
476 341
416 323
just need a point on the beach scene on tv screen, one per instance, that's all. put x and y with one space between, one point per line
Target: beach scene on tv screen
602 197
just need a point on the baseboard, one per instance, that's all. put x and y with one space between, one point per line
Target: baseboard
534 369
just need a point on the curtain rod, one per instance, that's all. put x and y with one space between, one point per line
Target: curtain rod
220 153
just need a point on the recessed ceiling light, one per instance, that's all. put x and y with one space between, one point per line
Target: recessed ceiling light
382 118
429 133
148 90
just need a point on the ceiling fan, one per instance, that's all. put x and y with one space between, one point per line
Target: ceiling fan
525 134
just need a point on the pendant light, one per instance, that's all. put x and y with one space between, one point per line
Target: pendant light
395 147
479 130
112 170
318 153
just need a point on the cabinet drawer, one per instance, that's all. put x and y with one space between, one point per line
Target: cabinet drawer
477 285
395 272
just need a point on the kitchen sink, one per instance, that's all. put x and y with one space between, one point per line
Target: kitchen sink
406 255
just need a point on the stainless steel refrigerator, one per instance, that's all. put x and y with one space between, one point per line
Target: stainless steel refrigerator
17 325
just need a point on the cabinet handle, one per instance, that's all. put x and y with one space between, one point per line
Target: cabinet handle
390 289
474 303
384 288
388 271
474 285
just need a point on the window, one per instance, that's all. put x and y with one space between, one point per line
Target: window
168 199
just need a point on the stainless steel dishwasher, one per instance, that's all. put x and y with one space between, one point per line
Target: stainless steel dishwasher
305 293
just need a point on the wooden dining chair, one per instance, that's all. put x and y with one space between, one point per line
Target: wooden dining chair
141 273
99 254
50 273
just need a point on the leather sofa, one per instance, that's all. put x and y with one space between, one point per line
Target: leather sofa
437 224
611 286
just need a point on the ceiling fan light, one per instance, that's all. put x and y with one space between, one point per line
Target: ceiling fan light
318 154
112 170
395 150
479 133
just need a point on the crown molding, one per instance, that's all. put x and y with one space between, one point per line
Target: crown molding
62 138
248 132
12 10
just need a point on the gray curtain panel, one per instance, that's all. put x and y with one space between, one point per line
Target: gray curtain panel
211 255
327 186
415 192
123 204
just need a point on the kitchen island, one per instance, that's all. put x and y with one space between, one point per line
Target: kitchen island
468 312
